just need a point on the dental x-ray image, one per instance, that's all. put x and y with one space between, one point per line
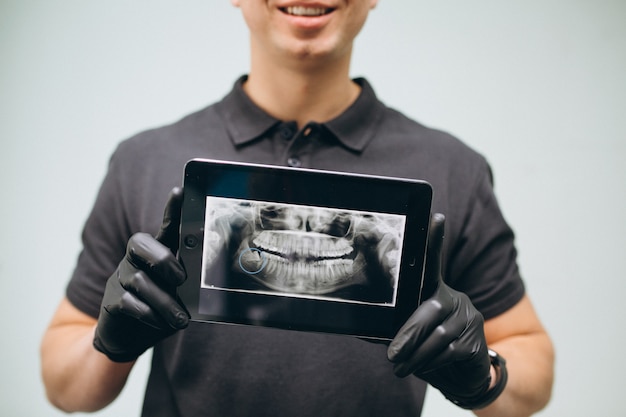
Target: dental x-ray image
301 251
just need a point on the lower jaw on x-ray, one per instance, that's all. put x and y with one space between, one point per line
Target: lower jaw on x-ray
301 251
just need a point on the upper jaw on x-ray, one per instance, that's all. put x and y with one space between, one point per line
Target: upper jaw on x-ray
301 249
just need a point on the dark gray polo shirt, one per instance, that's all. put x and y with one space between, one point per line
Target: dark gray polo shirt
230 370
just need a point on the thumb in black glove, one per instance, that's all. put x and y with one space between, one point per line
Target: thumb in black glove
443 342
139 306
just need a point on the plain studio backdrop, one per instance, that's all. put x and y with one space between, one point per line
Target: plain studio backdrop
538 87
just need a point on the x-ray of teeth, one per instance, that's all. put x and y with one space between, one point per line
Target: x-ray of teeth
304 251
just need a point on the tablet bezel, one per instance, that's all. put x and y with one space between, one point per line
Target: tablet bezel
307 187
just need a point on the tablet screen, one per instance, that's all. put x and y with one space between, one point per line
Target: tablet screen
302 249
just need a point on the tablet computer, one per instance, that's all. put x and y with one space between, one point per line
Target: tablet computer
302 249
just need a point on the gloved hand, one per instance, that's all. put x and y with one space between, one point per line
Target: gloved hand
139 306
443 342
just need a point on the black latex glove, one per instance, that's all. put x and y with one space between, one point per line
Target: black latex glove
443 342
139 306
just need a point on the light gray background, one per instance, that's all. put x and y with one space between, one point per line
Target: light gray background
536 86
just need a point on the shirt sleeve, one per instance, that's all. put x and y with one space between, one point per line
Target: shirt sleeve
483 258
104 239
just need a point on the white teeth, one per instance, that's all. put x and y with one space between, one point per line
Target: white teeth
306 11
302 244
311 278
304 262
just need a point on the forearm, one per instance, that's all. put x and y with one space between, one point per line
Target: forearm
75 375
529 361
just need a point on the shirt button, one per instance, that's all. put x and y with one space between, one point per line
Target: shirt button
286 133
294 162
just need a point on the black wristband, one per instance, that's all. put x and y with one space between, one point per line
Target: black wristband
489 396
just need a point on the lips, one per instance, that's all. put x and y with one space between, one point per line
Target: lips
307 17
306 10
300 262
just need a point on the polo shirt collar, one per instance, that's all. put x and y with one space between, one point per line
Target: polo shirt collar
354 128
358 124
244 121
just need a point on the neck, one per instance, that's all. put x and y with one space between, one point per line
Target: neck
302 91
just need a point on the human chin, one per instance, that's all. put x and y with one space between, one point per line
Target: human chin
319 49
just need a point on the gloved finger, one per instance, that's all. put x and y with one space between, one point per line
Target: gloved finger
434 255
127 304
140 287
458 351
428 316
440 341
157 260
170 227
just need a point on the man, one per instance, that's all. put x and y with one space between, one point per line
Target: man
296 107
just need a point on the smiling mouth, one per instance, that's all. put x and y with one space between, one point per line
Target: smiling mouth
306 11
